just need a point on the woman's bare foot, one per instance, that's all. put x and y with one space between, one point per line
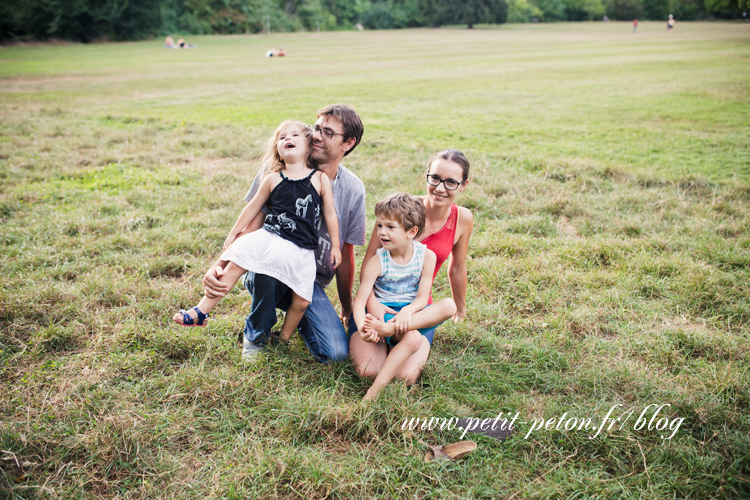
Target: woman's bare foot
381 328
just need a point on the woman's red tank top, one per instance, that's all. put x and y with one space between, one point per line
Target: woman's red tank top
442 242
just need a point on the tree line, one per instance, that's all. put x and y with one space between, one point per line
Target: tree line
87 20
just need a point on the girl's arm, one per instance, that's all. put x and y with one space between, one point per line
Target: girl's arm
251 209
332 220
403 318
370 272
373 306
457 267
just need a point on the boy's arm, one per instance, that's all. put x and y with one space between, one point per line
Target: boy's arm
373 306
403 317
370 272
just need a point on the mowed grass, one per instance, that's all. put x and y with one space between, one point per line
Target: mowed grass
610 264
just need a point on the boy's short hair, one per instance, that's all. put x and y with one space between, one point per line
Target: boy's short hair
403 208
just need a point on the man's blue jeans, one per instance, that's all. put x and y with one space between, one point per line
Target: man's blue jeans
320 328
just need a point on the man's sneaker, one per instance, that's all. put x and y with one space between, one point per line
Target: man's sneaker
250 350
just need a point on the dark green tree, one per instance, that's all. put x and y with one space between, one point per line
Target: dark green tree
624 9
471 12
656 9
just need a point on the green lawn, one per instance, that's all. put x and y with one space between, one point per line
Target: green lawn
610 264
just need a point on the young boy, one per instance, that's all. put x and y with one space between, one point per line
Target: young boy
401 276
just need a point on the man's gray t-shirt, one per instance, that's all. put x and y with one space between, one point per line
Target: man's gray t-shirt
349 201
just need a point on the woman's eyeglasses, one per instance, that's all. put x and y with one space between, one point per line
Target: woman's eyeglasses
450 184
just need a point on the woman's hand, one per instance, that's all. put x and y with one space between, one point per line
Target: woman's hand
459 316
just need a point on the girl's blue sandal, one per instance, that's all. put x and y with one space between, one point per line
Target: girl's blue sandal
188 320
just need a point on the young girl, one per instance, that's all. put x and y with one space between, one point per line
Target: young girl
295 191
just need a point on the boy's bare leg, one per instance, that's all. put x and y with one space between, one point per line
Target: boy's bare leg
293 316
232 273
409 343
426 318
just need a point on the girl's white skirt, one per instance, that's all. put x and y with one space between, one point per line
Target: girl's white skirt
266 253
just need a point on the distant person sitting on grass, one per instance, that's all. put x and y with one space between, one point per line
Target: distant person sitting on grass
181 43
276 53
401 275
298 195
169 43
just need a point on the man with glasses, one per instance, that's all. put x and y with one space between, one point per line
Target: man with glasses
337 132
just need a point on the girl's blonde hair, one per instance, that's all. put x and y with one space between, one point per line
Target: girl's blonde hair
271 161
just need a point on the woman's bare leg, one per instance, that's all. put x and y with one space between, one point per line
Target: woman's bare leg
232 273
293 316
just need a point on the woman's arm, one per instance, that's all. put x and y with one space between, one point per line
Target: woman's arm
457 267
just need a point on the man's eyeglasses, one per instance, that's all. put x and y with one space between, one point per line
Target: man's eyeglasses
450 184
327 132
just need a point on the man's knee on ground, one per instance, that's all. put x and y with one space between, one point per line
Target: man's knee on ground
334 354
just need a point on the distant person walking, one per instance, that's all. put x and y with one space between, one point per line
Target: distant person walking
635 25
670 23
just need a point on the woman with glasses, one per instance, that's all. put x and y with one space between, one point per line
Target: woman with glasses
447 232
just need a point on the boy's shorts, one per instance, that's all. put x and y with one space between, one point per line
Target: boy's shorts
428 333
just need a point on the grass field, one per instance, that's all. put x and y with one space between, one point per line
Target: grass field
610 264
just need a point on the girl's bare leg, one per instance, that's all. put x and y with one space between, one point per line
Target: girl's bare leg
293 316
426 318
407 345
232 273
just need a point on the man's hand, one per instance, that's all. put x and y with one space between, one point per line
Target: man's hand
344 316
212 286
